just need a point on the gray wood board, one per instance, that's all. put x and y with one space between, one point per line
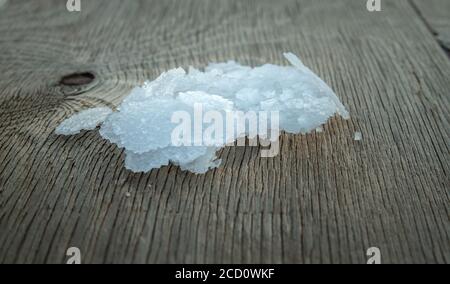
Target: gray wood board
436 14
324 199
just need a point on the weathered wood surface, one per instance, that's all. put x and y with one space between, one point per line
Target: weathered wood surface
324 199
436 14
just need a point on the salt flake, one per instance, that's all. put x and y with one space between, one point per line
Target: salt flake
144 123
85 120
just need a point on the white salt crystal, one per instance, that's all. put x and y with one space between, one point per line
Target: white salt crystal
358 136
85 120
143 123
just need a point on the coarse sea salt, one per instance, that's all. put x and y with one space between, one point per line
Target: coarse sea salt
85 120
144 122
358 136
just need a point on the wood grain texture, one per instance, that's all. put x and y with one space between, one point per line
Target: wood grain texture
436 14
325 199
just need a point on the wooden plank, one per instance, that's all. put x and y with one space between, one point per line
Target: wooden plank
325 199
436 13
